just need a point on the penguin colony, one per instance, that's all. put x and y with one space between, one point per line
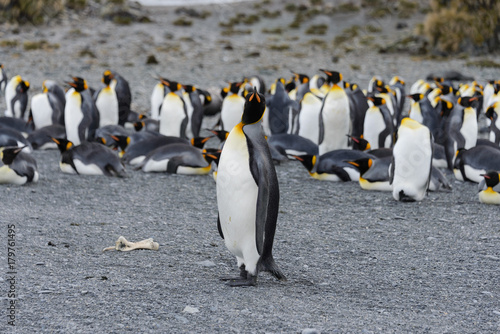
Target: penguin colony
385 136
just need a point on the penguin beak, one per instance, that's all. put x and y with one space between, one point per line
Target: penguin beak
55 140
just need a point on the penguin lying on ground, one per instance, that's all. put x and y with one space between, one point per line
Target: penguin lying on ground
489 188
248 196
17 167
88 158
41 139
177 159
288 145
471 164
11 137
333 165
17 124
374 173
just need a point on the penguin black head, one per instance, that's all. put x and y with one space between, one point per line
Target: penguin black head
307 160
9 153
172 85
199 141
466 101
491 178
107 77
23 86
234 87
121 141
446 107
490 112
255 106
359 144
416 97
211 155
79 84
290 85
302 78
362 164
333 77
377 100
221 134
189 88
62 143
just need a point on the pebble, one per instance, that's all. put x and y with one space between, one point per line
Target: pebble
190 310
206 263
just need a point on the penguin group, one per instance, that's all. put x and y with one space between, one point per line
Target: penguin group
384 136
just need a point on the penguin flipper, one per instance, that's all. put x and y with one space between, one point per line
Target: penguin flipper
219 227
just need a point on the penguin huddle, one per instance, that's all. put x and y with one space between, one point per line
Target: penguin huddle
334 128
408 150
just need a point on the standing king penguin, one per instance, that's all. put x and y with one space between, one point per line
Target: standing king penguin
412 161
248 196
16 97
47 108
3 78
334 116
106 101
173 117
81 117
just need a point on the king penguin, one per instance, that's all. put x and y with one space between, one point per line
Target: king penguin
88 158
248 196
193 98
106 101
16 97
47 108
308 119
378 127
81 117
412 162
334 117
173 117
489 188
493 113
17 167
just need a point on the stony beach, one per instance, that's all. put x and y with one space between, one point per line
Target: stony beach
356 261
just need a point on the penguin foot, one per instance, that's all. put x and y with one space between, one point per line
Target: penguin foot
249 281
405 198
243 275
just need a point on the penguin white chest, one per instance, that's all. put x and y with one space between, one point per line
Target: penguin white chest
73 115
336 120
41 110
309 117
156 100
469 128
237 196
373 125
107 105
172 115
8 175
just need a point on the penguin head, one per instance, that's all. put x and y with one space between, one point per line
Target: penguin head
396 79
362 164
207 97
200 141
290 85
138 126
211 155
79 84
302 78
333 77
416 97
221 134
309 161
234 87
466 101
491 178
62 143
174 86
189 88
377 100
446 107
360 144
254 108
121 141
490 112
9 153
23 86
107 77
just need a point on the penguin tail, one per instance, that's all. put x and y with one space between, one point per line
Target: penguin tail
268 264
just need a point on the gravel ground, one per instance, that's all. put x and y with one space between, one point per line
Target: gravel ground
356 261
